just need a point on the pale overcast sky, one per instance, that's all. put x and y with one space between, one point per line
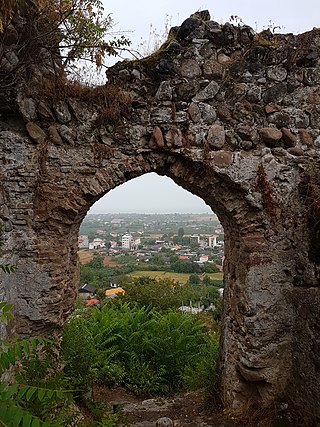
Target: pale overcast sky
152 193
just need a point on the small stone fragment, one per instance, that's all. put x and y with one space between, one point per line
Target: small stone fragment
187 27
216 136
208 92
296 151
194 112
208 113
156 140
189 68
222 158
164 92
224 113
164 422
62 112
272 108
305 137
289 139
35 132
54 135
277 73
174 137
224 59
45 111
28 109
270 136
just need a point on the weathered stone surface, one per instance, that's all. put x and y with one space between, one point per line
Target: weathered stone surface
196 135
67 133
203 134
164 422
208 113
54 135
194 112
208 92
190 68
296 151
216 137
36 133
28 109
315 117
164 92
270 136
275 93
289 138
45 111
222 159
62 112
272 108
213 69
156 140
161 115
305 137
277 73
174 137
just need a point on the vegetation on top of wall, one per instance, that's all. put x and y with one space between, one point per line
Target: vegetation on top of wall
80 25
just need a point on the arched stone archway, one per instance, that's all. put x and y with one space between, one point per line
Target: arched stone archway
231 116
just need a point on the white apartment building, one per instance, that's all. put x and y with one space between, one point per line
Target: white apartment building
212 241
127 241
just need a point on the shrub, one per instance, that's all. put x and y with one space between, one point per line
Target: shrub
79 354
142 349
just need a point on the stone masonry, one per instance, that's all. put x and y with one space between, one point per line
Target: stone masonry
230 115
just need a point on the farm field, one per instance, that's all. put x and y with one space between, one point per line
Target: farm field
178 277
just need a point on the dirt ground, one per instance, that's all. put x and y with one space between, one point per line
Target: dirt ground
186 410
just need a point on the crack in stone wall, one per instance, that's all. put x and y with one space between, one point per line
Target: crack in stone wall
230 115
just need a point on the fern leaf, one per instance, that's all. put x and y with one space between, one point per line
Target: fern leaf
35 422
41 394
30 393
27 420
23 390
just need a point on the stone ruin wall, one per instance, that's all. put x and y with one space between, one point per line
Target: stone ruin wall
229 115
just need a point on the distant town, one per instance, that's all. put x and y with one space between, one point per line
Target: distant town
153 237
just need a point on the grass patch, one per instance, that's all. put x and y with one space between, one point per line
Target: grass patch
178 277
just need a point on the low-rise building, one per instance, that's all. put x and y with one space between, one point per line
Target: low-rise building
97 243
83 242
113 292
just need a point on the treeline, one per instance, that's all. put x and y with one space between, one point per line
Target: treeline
100 276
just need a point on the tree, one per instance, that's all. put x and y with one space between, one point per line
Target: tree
68 30
96 262
194 279
180 234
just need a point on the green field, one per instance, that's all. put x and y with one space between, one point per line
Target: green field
178 277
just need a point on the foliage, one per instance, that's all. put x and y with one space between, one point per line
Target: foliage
141 349
24 403
79 354
5 312
102 276
96 262
204 373
78 29
160 294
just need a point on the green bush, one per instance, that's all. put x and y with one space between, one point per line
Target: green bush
79 354
204 373
139 348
